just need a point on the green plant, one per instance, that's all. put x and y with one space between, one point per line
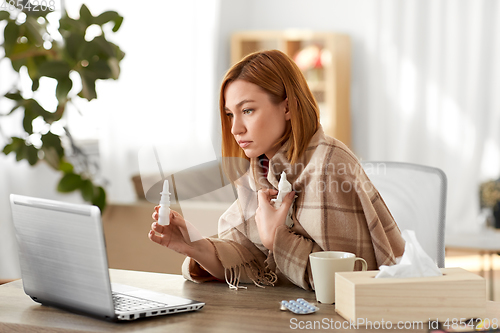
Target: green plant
29 43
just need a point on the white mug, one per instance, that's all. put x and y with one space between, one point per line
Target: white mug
324 265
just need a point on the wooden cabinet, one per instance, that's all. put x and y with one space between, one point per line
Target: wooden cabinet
323 57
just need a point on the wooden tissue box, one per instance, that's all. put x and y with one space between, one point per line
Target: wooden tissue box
456 294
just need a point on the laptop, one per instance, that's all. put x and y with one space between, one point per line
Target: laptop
63 260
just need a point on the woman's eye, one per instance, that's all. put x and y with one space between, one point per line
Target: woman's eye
247 111
230 115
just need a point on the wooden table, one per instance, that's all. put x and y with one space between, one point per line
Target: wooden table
486 242
252 310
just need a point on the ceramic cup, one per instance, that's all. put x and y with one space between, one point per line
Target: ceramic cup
324 265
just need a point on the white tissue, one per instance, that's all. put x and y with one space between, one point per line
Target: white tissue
284 187
415 262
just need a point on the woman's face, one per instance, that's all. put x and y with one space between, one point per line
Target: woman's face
257 123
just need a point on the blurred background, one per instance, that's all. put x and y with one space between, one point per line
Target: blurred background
418 81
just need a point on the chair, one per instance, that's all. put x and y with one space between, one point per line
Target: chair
416 197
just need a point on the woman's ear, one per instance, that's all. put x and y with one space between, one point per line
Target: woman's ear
288 115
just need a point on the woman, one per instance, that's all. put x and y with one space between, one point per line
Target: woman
270 117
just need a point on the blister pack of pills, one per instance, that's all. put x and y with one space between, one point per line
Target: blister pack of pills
300 306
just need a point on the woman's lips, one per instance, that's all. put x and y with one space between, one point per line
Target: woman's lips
244 144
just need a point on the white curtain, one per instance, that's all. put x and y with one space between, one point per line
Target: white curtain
431 94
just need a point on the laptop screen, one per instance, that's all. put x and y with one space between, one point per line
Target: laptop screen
62 254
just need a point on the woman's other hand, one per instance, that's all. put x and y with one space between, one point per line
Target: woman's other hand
268 218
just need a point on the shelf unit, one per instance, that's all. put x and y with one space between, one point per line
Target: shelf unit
328 78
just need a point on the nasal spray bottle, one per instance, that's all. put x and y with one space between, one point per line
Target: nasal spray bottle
164 211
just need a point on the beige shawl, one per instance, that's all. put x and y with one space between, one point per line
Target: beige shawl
336 209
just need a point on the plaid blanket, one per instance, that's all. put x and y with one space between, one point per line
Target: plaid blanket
336 209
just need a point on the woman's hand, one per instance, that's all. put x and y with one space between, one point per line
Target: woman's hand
175 236
268 218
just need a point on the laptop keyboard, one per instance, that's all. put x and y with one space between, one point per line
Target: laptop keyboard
125 303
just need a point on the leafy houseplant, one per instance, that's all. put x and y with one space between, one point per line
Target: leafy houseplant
56 54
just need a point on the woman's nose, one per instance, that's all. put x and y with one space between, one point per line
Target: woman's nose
237 126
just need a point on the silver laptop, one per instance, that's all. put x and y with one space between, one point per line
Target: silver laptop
64 263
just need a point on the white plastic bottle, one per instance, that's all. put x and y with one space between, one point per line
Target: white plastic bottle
284 187
164 211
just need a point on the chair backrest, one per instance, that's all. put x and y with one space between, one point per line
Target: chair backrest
416 197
